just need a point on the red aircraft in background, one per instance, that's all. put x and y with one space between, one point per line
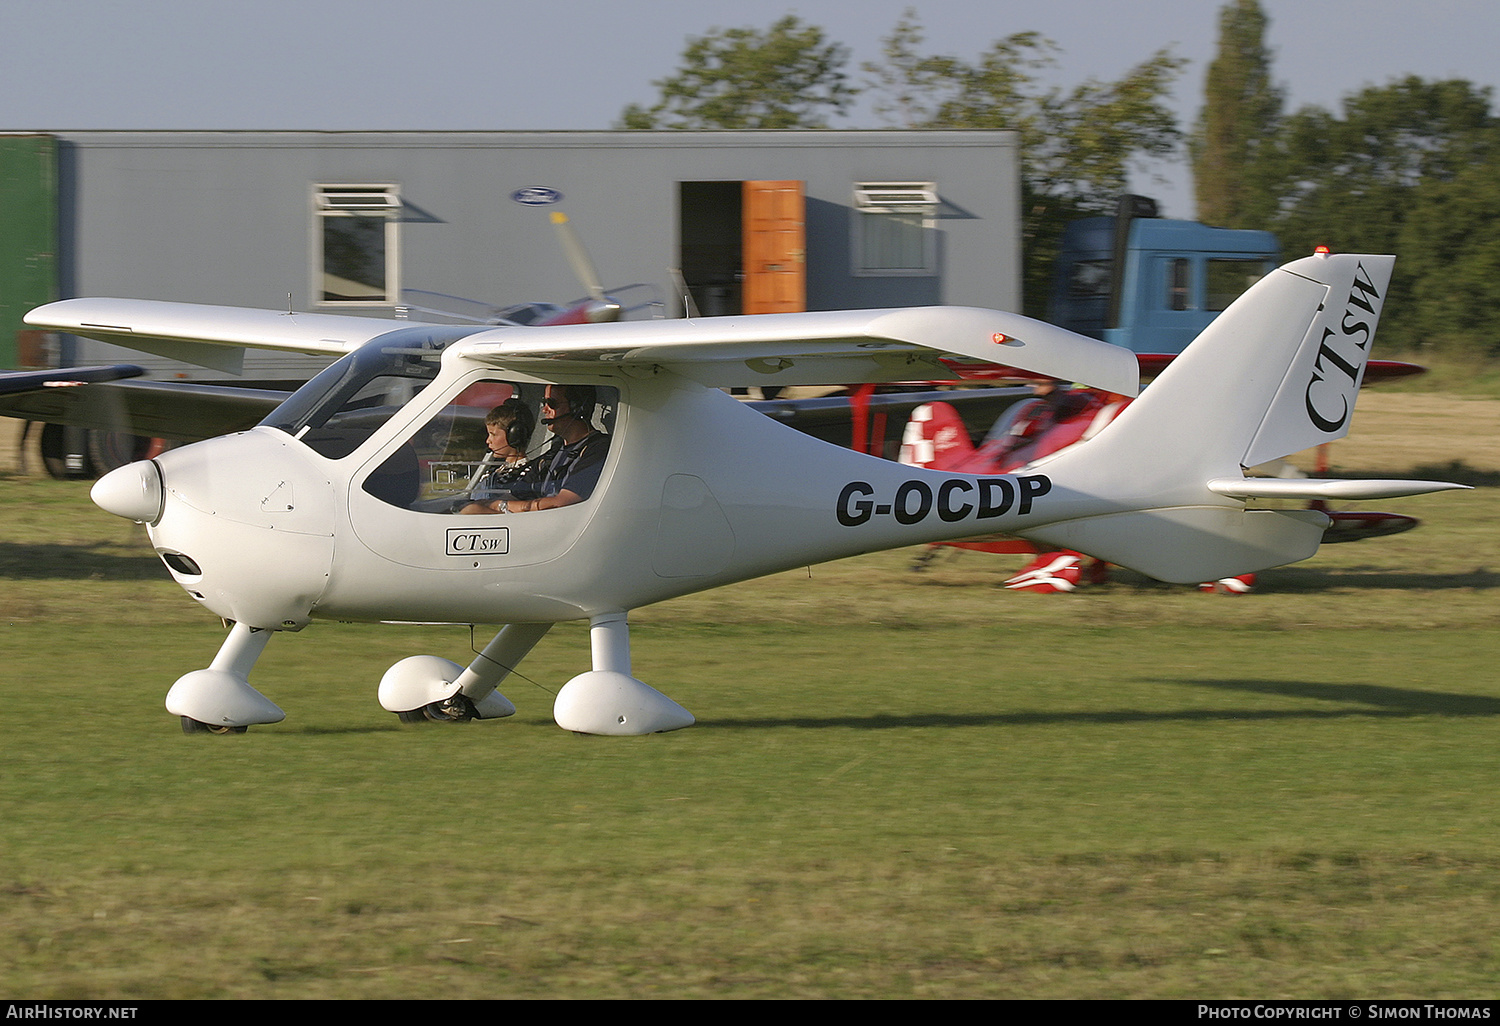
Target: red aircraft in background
1055 418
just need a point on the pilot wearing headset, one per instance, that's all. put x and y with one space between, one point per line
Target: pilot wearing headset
568 471
508 429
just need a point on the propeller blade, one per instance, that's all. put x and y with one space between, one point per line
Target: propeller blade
689 307
578 257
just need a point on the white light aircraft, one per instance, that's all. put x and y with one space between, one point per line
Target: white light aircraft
341 505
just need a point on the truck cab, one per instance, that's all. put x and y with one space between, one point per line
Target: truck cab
1151 284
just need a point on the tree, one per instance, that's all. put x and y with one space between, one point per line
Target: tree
788 76
1077 146
909 86
1354 176
931 91
1241 112
1449 248
1399 158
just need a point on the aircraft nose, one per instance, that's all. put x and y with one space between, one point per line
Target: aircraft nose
133 491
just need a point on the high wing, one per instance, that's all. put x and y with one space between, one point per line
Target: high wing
190 412
1153 364
815 348
766 349
210 336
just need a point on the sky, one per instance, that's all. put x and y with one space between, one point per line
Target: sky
493 65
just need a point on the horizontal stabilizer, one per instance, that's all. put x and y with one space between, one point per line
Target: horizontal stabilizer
1189 544
1311 488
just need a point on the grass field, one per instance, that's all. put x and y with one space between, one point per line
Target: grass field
901 785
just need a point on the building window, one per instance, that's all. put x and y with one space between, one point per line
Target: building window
356 244
895 230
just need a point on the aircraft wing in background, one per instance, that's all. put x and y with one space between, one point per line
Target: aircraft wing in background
23 382
179 410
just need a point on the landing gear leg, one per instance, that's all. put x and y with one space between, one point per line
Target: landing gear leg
423 688
220 700
607 699
505 650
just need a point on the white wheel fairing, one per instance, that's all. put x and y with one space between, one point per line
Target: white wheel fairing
616 704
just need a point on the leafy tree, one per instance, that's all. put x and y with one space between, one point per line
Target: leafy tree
1241 112
1449 255
1400 156
933 91
907 85
1354 176
1077 146
788 76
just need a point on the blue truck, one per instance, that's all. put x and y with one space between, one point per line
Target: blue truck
1148 283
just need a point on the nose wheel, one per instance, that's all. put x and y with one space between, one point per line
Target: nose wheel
220 700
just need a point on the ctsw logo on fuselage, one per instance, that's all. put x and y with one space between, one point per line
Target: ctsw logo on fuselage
952 500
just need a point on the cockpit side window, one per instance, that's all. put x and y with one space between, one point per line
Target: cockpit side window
498 442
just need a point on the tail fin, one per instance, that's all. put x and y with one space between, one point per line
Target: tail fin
935 438
1276 373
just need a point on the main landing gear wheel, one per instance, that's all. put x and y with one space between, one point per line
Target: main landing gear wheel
192 726
457 709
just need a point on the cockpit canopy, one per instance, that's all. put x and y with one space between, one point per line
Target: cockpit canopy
442 461
345 404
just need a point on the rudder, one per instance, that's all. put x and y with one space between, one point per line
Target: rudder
935 437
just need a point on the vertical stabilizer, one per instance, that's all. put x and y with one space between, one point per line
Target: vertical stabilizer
1316 398
936 438
1274 374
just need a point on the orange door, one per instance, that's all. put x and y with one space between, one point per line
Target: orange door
775 248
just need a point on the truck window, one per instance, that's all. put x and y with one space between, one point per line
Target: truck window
1179 284
1227 279
1089 279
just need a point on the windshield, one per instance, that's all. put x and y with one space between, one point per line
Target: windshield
345 404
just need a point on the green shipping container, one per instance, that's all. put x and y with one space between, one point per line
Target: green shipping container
28 244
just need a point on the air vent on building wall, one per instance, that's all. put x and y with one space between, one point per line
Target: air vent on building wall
895 197
363 197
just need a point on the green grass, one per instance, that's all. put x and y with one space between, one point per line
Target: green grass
1469 377
901 785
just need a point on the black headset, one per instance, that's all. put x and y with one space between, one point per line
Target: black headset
522 423
581 401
